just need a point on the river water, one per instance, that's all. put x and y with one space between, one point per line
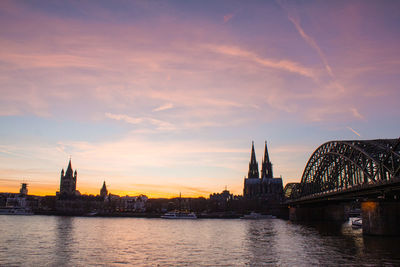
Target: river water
90 241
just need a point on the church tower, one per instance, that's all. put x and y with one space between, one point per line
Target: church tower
68 182
253 164
266 167
104 191
252 184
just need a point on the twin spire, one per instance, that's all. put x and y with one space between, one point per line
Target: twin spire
266 167
253 165
266 156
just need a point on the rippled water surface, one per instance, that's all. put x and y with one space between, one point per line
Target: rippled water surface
80 241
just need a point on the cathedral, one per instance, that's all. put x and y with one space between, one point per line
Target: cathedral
68 182
263 186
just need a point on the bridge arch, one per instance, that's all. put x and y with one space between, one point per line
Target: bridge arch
340 165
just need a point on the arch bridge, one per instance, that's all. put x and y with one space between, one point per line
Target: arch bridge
348 167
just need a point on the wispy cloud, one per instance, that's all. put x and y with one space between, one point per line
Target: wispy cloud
356 114
164 107
285 65
312 43
9 111
162 125
351 129
209 76
159 124
124 117
292 16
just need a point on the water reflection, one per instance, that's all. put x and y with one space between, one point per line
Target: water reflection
384 248
74 241
327 243
64 243
261 242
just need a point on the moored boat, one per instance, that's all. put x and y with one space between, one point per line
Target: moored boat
357 223
15 211
179 215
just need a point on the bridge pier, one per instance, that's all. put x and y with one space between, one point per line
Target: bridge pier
380 217
331 212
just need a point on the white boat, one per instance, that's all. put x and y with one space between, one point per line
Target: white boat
179 215
15 211
256 216
357 223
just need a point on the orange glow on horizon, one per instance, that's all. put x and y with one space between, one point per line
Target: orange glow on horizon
85 191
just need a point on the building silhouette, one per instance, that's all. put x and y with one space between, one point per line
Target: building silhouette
68 182
104 191
252 182
265 187
23 191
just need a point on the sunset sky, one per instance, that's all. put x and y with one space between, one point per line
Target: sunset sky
162 97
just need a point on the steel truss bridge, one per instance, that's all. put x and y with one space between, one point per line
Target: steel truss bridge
347 169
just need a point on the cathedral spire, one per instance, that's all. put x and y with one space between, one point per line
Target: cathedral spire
266 156
253 154
68 182
68 172
69 165
266 167
253 165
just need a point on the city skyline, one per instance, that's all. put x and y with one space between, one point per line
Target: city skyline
166 97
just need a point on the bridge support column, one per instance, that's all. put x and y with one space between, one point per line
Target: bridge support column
335 213
331 212
305 214
380 217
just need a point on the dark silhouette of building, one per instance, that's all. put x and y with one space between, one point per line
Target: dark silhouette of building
103 190
68 182
253 164
266 167
220 201
265 188
252 182
23 191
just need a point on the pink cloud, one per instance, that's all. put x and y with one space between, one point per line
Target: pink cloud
163 107
159 124
312 43
228 17
356 114
285 65
124 117
122 69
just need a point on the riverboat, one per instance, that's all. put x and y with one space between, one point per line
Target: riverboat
15 211
179 215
